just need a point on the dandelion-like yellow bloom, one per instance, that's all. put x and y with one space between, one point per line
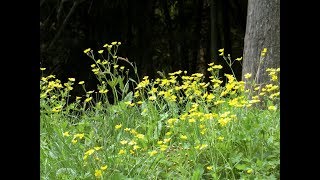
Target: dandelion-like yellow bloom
131 151
88 99
220 138
74 141
183 137
152 98
249 171
119 43
122 152
42 69
81 82
71 79
114 43
224 121
98 173
134 132
168 133
140 136
132 142
89 152
203 146
80 136
66 134
203 131
103 167
118 126
122 67
135 147
272 108
127 129
116 66
56 110
263 52
221 52
97 148
87 50
103 91
152 153
100 52
166 140
217 67
123 142
209 168
247 76
163 147
218 102
239 59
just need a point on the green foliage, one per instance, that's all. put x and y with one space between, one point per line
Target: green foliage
176 127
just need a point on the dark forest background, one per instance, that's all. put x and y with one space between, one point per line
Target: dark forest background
158 35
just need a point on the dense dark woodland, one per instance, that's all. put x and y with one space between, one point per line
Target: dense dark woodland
164 35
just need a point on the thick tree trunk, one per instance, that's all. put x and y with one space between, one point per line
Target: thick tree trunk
262 31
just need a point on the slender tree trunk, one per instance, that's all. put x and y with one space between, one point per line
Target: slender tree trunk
262 31
214 31
204 44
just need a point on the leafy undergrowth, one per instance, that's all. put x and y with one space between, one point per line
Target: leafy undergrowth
176 127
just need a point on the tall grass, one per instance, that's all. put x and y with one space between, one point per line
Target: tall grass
174 127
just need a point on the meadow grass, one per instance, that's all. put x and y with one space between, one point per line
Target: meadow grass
175 127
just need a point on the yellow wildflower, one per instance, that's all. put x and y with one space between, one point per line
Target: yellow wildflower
209 168
122 152
239 59
98 173
249 171
272 108
220 138
183 137
87 50
88 99
104 167
152 153
123 142
118 126
140 136
66 134
97 148
89 152
247 76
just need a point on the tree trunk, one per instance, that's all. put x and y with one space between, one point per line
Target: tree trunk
214 31
262 31
204 34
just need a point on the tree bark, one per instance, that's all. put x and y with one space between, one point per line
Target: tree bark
262 31
214 31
